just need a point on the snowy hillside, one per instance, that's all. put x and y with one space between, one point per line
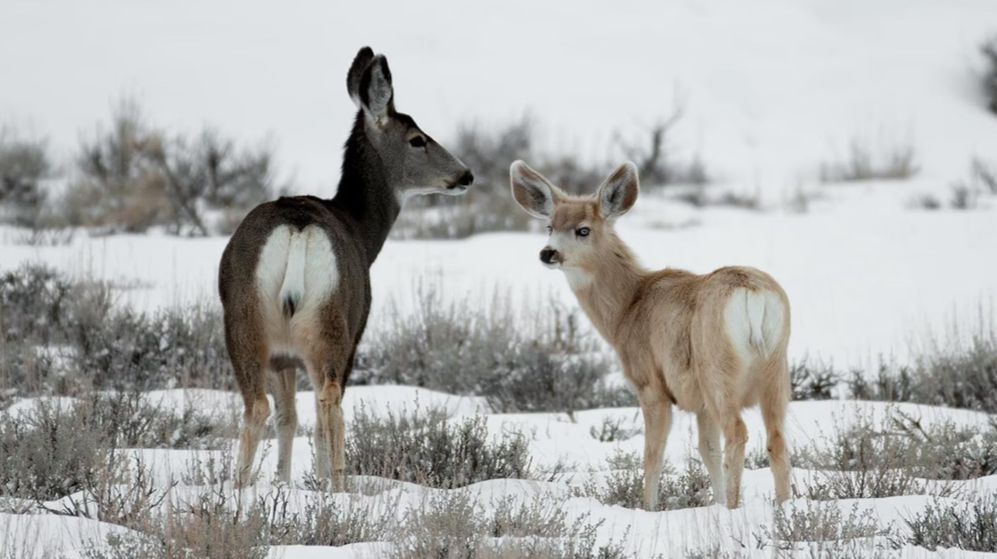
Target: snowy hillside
118 413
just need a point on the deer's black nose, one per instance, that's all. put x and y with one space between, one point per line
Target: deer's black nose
466 179
547 255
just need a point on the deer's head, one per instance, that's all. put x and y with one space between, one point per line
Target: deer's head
580 227
414 163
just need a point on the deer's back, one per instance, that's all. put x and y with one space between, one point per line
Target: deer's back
680 319
259 261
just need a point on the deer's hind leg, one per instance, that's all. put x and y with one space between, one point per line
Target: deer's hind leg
774 401
710 450
283 376
327 361
720 395
249 353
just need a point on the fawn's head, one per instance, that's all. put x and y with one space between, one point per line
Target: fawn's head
580 227
413 162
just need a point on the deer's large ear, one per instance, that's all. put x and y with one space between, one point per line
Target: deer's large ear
532 191
374 92
619 192
360 64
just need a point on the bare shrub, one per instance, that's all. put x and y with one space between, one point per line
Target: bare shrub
891 384
134 177
49 452
612 430
33 303
210 171
119 188
452 525
947 524
964 197
989 80
424 447
624 486
701 195
472 349
864 461
758 458
24 162
130 420
213 522
984 175
175 347
962 376
715 552
865 163
324 518
982 180
813 382
927 202
655 160
821 530
54 449
103 345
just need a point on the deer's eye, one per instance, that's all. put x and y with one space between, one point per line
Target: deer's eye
550 229
583 232
417 142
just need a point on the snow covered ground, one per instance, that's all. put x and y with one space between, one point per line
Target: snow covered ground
771 91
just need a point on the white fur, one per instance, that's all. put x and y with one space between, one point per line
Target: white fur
321 269
300 263
754 322
293 285
577 278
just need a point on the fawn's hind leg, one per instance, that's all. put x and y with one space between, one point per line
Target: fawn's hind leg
773 404
709 449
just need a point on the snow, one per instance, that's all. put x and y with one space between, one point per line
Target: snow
555 436
770 91
867 276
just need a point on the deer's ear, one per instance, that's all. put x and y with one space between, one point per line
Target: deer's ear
619 192
532 191
375 93
357 69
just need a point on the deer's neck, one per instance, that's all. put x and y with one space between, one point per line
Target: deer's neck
364 193
607 286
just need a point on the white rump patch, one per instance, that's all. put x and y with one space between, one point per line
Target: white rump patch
753 320
297 270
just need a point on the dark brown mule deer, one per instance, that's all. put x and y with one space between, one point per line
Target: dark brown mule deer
712 344
295 277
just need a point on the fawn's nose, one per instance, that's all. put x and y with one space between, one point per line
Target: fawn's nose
547 255
466 179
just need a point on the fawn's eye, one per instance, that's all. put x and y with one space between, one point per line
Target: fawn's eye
583 232
550 229
417 142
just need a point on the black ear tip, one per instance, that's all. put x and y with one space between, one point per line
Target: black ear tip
365 52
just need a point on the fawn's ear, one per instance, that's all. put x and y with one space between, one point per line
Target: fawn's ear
532 191
619 192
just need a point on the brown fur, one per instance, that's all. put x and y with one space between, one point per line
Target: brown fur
270 331
670 332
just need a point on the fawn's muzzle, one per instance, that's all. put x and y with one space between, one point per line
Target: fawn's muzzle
548 256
